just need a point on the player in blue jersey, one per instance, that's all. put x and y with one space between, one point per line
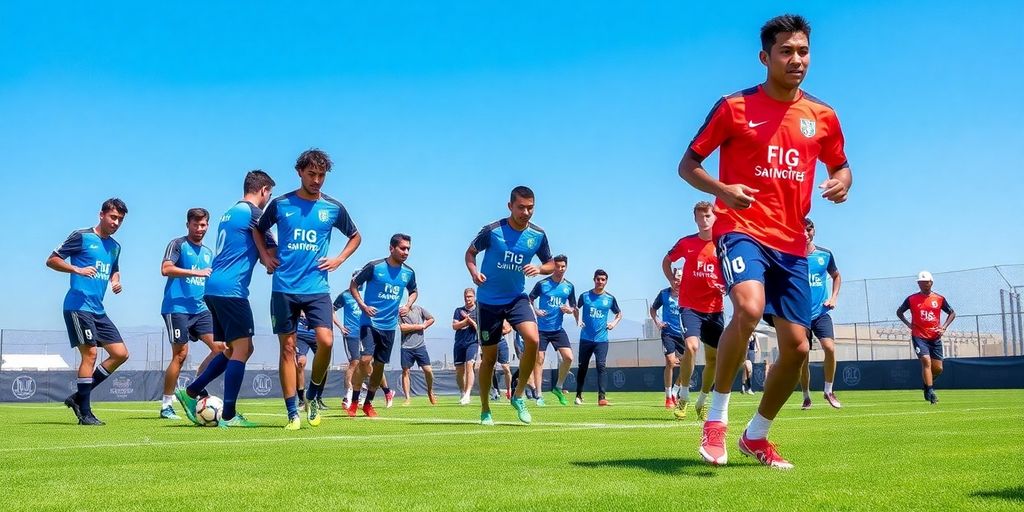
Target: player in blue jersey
595 306
227 298
667 301
556 297
91 256
467 344
348 324
385 280
821 265
305 219
305 342
509 246
186 265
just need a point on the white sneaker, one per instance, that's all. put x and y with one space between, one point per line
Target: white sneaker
464 400
579 401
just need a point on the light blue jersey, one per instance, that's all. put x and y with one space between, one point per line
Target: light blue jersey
553 295
820 265
87 249
350 312
383 291
506 252
304 229
185 294
669 306
236 254
594 311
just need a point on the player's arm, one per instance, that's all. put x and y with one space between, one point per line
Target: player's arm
837 186
115 281
618 314
338 323
480 243
666 267
428 319
261 238
547 261
411 298
837 283
363 276
169 267
579 311
714 132
406 327
344 224
534 295
57 259
654 312
466 320
950 315
903 309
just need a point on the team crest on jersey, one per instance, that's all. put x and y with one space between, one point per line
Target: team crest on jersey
935 303
206 258
821 261
325 215
807 127
405 278
530 242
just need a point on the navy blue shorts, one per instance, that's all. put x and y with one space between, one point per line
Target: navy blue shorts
821 328
465 352
670 343
183 327
558 339
787 291
378 342
304 343
416 355
752 356
930 348
286 307
492 317
706 326
353 348
232 317
503 352
85 328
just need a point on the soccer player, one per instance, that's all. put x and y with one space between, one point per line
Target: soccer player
464 323
667 301
509 246
926 308
186 264
753 350
771 137
556 297
305 341
385 279
227 298
349 327
595 306
93 255
304 218
700 306
414 349
821 264
503 360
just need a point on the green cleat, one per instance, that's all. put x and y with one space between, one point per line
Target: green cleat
562 399
486 419
188 404
680 412
294 423
520 406
540 401
238 421
313 413
702 411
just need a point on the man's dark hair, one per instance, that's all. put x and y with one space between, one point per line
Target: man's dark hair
782 24
808 223
255 180
561 258
197 214
521 192
599 273
398 237
315 158
114 204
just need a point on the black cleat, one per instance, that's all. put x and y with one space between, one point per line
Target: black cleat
933 398
321 405
72 404
90 420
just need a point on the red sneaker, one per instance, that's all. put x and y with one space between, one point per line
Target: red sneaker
712 443
369 411
763 451
433 399
602 403
389 399
669 403
807 404
353 406
508 394
833 401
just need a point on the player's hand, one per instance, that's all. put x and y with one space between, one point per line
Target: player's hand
368 310
661 325
203 272
834 190
479 278
579 324
115 286
566 309
540 312
403 310
271 262
830 304
85 271
330 264
345 331
611 326
942 330
738 196
531 270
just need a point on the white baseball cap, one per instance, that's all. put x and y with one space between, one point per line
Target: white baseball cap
924 275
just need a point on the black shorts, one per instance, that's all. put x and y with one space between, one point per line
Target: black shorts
381 342
929 348
183 327
670 343
232 317
465 352
353 348
85 328
286 307
821 328
418 355
706 326
304 343
558 339
492 318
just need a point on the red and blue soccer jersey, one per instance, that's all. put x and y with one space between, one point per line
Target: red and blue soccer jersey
924 312
700 289
771 146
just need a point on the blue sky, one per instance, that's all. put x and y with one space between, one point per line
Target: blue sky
432 112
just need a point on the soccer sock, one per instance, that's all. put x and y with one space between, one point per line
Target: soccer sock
99 375
167 401
701 398
719 407
348 394
213 370
828 388
369 396
560 383
301 393
385 389
668 393
354 397
203 393
313 391
320 392
758 427
232 384
82 396
684 393
807 394
292 404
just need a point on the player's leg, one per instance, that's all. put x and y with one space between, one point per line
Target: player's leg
564 365
407 361
383 343
320 318
582 367
686 366
428 376
669 351
935 354
472 352
79 402
179 352
489 355
828 345
284 309
301 349
805 381
508 379
239 350
200 327
538 367
600 361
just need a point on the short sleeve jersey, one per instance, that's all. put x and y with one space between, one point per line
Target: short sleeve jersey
821 264
235 254
771 146
669 307
415 339
185 294
84 248
553 295
384 285
701 288
506 252
466 335
594 311
304 229
924 314
350 312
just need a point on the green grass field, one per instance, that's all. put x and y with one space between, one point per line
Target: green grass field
882 451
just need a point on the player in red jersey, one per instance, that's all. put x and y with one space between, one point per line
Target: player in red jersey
770 138
700 305
926 308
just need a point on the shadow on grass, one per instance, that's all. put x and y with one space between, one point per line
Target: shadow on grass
1009 494
663 466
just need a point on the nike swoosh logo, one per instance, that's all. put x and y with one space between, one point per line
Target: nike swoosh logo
289 214
752 124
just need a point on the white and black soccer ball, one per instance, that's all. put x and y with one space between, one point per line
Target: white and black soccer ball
208 411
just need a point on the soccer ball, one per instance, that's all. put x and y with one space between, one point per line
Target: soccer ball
208 411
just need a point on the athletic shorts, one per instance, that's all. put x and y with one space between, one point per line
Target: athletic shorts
232 317
930 348
416 355
821 328
706 326
465 352
752 356
786 287
353 348
670 343
85 328
558 339
304 343
286 307
379 342
183 327
503 352
492 317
